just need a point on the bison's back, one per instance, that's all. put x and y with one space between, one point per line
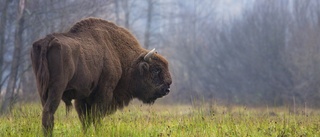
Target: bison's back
119 38
92 23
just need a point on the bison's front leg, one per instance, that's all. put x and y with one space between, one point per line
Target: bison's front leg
84 113
101 103
92 109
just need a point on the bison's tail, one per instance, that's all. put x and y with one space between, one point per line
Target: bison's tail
40 66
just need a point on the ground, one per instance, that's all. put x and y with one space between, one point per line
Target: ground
170 120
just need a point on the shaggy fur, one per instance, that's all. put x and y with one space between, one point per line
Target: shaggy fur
98 64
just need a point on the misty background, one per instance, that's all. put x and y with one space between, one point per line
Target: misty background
242 52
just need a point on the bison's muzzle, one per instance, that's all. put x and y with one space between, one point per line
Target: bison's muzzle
163 92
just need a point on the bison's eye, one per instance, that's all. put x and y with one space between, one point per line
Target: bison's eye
156 71
156 76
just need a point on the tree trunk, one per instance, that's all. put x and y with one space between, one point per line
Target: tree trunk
9 96
126 13
3 23
148 25
116 5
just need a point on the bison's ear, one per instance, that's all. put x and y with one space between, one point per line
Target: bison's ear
143 67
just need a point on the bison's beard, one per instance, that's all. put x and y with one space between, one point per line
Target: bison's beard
150 100
158 94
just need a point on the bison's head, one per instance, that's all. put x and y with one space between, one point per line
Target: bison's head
153 80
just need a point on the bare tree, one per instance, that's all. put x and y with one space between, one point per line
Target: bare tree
303 53
116 11
3 23
6 105
126 8
150 4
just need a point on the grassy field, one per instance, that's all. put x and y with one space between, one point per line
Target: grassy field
163 120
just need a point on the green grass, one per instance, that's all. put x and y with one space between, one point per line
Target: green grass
163 120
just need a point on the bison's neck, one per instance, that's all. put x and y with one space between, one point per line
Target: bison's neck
125 44
123 92
127 49
127 57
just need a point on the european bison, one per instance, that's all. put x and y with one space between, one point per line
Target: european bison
98 64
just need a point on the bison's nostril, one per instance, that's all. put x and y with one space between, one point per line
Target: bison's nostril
167 90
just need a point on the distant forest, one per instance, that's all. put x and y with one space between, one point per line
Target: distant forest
247 52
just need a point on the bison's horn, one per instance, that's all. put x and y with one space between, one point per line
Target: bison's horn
149 55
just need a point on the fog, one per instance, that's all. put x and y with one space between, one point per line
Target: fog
233 52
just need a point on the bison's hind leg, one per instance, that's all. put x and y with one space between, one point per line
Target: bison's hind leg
51 105
84 113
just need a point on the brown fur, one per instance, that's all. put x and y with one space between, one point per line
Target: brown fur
98 64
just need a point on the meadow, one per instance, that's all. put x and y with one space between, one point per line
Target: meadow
158 120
